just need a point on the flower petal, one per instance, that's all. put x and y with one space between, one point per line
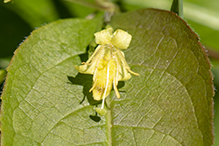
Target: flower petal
104 36
121 39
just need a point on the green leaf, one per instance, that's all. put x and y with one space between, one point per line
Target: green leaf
2 75
46 101
177 7
36 13
78 10
4 62
37 97
171 103
88 3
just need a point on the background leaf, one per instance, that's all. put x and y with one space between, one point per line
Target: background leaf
21 17
169 104
42 11
2 75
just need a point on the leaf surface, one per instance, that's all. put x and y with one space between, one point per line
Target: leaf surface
46 101
171 103
38 99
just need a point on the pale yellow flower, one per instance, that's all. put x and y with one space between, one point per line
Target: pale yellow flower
107 64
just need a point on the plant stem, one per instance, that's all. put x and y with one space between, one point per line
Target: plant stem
177 7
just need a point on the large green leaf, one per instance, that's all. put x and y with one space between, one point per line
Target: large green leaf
169 104
173 101
38 97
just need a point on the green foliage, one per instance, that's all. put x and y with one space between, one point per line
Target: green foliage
37 94
6 1
46 101
37 16
176 78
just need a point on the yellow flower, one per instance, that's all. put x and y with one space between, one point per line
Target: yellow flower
107 64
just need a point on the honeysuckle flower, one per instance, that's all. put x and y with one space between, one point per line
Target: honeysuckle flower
107 64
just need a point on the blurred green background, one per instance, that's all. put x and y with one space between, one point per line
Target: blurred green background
20 18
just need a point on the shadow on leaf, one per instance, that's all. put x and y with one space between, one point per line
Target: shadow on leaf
95 118
84 80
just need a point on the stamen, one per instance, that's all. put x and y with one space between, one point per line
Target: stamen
92 88
94 54
94 79
115 81
134 73
115 88
107 82
125 63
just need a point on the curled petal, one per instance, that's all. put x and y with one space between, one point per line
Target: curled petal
104 36
121 39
